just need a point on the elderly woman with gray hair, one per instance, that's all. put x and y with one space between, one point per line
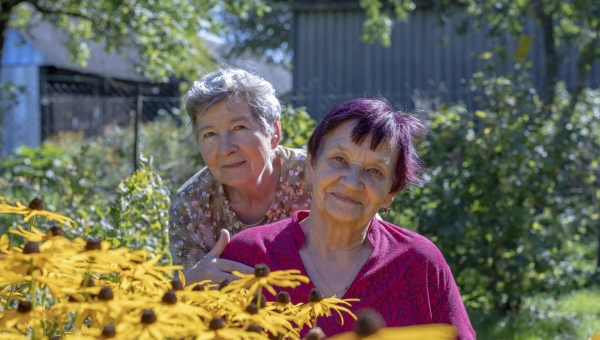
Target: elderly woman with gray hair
249 179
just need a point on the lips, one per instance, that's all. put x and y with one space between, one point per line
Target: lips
233 165
345 198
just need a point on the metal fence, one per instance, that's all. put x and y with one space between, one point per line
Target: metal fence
89 105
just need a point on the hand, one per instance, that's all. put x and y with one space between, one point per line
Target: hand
211 267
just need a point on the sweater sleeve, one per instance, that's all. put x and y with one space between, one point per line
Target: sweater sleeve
451 307
243 249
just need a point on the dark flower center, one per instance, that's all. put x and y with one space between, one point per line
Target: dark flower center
261 270
223 284
315 334
31 248
93 244
275 337
106 294
177 285
216 323
24 307
252 309
368 322
109 332
283 298
57 231
197 288
170 298
88 283
72 299
315 296
37 204
263 301
254 328
56 337
148 317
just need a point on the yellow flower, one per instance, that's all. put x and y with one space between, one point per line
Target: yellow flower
371 326
4 244
218 331
274 323
149 325
264 278
283 304
318 306
36 208
33 236
22 316
6 295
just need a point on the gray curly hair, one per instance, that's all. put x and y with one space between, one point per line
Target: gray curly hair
230 83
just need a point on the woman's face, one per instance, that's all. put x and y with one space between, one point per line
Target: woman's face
233 143
351 182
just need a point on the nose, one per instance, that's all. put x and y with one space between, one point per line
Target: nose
226 145
353 178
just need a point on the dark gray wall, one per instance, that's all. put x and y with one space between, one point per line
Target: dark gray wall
332 64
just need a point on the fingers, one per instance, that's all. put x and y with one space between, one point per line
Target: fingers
221 244
229 266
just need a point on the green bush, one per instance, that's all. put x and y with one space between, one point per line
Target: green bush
505 199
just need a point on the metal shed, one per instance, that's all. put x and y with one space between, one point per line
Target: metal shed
426 61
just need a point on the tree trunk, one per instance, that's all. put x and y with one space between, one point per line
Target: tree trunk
551 73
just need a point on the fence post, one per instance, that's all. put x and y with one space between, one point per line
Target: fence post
136 128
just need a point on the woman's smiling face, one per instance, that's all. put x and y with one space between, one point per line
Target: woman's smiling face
233 144
351 182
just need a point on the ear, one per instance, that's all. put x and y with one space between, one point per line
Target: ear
308 169
276 134
389 199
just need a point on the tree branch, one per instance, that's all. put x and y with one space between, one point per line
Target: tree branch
55 12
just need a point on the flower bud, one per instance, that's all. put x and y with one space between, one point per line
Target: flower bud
24 307
37 204
368 322
93 244
176 284
56 231
31 248
261 270
109 332
315 296
223 284
254 329
148 317
315 334
252 309
263 301
170 298
105 294
216 323
283 298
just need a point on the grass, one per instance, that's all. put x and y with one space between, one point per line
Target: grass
544 317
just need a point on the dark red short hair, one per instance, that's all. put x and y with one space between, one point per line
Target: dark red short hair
375 117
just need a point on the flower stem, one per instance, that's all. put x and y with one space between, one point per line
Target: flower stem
259 300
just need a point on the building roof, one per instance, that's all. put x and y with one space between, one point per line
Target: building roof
52 42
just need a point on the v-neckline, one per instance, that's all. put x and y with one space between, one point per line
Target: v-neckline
300 238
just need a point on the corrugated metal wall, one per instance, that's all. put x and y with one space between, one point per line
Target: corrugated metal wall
426 60
21 119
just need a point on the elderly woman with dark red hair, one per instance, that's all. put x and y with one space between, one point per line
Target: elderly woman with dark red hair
359 157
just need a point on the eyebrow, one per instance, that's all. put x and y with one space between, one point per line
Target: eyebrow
340 147
235 120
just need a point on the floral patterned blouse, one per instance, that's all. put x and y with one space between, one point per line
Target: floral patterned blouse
200 208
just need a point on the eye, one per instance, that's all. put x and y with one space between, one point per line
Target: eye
376 172
208 134
239 127
339 159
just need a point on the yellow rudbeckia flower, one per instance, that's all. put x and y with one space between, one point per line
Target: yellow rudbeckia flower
264 278
371 326
36 208
318 306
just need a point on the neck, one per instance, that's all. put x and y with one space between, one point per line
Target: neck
328 239
252 196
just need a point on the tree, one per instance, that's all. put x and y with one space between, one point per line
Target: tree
164 32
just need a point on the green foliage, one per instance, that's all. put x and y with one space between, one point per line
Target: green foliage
297 127
137 218
567 317
498 199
